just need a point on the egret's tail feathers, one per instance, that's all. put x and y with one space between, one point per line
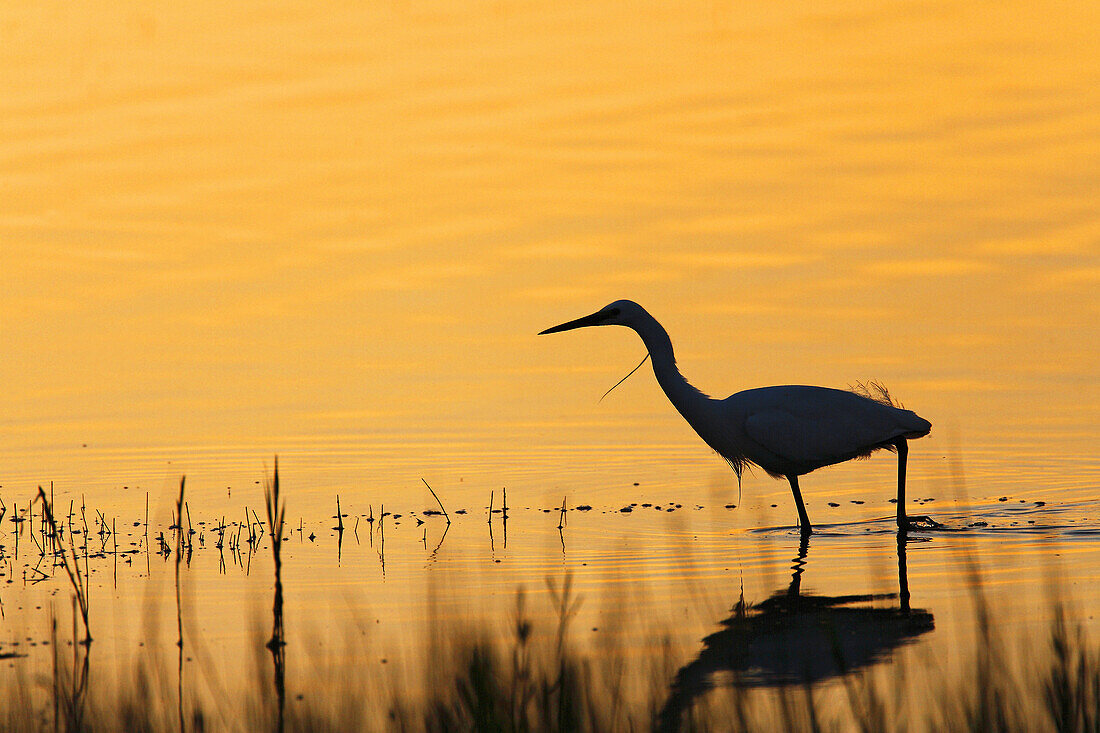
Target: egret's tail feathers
876 391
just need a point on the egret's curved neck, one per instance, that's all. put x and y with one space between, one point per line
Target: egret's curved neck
686 398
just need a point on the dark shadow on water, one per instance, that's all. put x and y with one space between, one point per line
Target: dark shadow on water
879 526
796 638
999 518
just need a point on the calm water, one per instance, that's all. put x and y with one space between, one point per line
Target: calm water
234 232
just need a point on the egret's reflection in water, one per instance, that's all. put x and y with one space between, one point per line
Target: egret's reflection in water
799 638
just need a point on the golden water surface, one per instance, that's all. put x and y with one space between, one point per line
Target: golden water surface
331 232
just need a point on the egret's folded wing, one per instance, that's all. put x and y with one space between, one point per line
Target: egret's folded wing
815 436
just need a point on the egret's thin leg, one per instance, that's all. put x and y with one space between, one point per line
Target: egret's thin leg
905 522
903 454
803 518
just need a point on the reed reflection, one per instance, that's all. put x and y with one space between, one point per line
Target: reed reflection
798 638
276 515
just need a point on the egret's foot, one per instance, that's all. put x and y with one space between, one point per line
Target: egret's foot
907 524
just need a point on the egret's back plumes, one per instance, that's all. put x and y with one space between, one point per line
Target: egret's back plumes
876 391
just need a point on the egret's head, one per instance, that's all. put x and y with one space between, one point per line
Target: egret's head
620 313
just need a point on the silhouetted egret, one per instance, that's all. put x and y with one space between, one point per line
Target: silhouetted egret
789 430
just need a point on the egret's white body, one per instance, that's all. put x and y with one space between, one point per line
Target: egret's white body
788 431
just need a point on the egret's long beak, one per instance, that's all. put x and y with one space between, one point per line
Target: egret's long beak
595 319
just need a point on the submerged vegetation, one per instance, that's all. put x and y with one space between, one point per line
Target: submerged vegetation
796 661
539 679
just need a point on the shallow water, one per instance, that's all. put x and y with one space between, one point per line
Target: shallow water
231 233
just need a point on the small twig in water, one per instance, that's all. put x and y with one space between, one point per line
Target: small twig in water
437 501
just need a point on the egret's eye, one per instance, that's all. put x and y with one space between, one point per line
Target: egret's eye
613 312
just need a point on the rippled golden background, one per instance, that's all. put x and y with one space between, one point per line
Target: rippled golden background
231 229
